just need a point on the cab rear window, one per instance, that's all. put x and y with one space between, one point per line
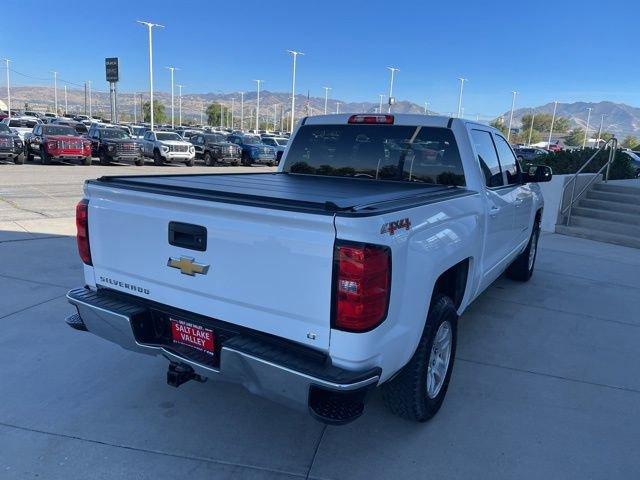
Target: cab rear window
377 152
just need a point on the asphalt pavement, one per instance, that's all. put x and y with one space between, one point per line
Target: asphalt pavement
546 382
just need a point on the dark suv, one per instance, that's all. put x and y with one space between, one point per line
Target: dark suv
253 150
114 144
10 145
214 148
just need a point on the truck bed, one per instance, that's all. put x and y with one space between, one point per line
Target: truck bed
310 193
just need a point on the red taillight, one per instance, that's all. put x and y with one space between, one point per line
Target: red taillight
82 226
372 119
362 285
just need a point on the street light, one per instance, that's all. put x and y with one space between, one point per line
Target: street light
337 107
258 82
553 119
293 87
393 70
149 26
586 131
462 80
8 88
65 99
180 104
55 92
533 118
600 129
242 111
89 85
233 107
326 98
172 69
513 104
381 95
426 108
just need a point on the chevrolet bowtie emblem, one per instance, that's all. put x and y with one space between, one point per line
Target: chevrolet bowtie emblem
188 266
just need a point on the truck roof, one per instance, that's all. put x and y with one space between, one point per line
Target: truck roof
288 191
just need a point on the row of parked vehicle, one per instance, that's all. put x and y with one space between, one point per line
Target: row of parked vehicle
24 137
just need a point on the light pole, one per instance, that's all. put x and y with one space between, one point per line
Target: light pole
233 107
8 87
293 87
393 70
326 98
89 85
275 115
135 109
426 107
553 119
55 92
600 129
513 104
202 114
337 107
242 111
150 26
258 82
179 104
381 95
586 131
462 80
65 99
533 117
172 69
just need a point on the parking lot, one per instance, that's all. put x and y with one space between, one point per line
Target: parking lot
546 382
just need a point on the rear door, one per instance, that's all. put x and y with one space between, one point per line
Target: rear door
267 270
499 203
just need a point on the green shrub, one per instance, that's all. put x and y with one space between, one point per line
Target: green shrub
567 162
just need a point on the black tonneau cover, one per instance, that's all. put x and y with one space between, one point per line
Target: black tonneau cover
319 194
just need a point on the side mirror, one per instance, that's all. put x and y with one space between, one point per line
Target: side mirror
539 174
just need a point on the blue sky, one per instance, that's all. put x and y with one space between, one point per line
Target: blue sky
566 49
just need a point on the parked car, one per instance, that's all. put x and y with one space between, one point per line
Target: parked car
11 146
115 145
138 131
530 154
253 150
57 142
79 127
554 147
378 231
634 158
21 125
167 147
279 143
214 148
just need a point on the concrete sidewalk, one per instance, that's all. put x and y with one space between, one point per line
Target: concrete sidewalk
546 385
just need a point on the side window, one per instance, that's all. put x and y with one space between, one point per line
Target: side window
507 160
488 158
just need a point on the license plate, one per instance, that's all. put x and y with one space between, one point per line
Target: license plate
191 335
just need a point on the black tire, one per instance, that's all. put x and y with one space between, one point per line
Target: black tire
139 161
44 157
246 161
522 267
406 394
19 160
157 158
28 154
87 161
208 159
104 158
191 162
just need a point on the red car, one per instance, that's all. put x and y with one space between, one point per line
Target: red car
554 147
57 142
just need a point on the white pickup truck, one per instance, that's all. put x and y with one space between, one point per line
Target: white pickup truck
167 147
345 270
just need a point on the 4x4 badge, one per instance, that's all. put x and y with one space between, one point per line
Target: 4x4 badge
188 266
391 227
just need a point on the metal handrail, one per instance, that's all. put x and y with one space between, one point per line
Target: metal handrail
613 144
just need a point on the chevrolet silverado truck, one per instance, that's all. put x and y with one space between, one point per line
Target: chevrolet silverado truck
343 272
57 142
114 145
166 147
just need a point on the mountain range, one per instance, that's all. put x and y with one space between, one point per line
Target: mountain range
619 118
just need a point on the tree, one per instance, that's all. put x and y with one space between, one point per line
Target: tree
542 123
575 137
630 142
213 112
159 115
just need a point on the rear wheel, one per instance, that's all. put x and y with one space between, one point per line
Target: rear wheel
522 267
208 159
157 158
19 160
418 390
246 161
86 160
105 159
28 154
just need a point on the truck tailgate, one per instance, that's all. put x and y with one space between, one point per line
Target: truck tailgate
269 270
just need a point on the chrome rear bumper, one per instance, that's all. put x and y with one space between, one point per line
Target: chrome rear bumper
270 372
